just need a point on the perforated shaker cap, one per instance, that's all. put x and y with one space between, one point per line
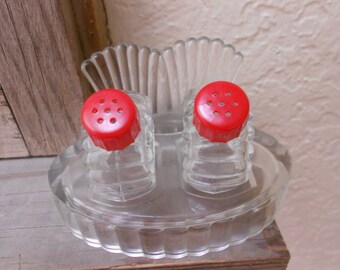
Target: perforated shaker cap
221 111
111 119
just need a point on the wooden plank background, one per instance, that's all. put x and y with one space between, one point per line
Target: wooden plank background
39 74
11 141
91 23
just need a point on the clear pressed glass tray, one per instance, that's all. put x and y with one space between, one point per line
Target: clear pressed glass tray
174 220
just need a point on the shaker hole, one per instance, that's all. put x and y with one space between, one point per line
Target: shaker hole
100 120
209 103
228 114
216 113
115 100
120 110
112 120
221 103
94 110
102 100
215 94
107 110
235 104
228 94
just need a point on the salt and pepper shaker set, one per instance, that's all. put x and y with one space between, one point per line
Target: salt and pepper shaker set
120 146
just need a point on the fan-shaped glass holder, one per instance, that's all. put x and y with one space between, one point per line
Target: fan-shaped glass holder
174 220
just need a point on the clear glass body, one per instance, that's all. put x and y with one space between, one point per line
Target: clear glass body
126 174
171 221
174 219
164 76
210 166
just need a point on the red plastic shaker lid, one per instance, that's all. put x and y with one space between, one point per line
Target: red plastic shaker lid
221 111
111 119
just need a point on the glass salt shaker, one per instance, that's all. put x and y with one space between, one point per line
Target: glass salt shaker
119 154
217 138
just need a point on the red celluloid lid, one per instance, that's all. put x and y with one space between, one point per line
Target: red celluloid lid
221 111
111 119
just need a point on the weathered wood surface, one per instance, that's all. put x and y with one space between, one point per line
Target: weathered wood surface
32 235
39 75
91 24
74 40
11 141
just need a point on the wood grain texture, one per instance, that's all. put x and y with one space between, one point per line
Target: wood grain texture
11 141
32 234
91 24
39 75
74 41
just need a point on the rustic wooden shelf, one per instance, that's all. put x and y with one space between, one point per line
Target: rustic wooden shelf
33 236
